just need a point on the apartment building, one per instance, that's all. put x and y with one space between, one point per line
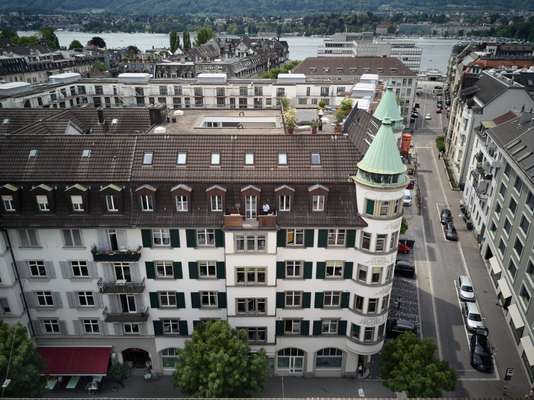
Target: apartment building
125 239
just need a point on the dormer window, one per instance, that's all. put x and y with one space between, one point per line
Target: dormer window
284 202
316 158
216 202
181 158
215 158
318 201
111 203
8 203
181 203
147 158
33 153
86 153
282 158
42 203
249 158
147 203
77 203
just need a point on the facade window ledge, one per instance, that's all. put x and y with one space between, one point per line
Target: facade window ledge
366 343
373 285
369 315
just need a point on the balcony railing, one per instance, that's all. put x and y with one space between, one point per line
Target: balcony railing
238 221
116 255
119 316
114 287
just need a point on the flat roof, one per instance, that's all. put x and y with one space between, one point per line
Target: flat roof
14 85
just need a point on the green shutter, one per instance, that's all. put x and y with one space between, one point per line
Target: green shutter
150 270
177 267
347 270
306 300
323 238
221 270
308 269
175 238
279 328
304 328
308 237
146 235
154 299
351 238
219 238
280 300
191 237
319 300
281 238
182 327
317 328
321 270
345 296
193 270
180 300
280 270
158 328
355 331
195 300
221 299
342 328
370 207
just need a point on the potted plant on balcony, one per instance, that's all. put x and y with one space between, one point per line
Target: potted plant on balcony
290 118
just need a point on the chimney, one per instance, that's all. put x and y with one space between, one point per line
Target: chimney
100 113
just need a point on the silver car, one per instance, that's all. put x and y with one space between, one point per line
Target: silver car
473 319
465 289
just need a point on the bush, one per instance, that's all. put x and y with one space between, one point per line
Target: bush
440 143
404 226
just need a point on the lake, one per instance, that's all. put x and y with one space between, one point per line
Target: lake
435 51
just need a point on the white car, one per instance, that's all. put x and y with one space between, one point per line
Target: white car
465 289
407 200
428 116
473 319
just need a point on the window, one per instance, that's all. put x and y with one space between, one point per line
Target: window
389 272
334 269
169 358
292 327
181 158
362 273
9 205
329 326
4 306
249 158
28 238
111 203
502 190
167 299
316 158
251 276
37 269
131 328
164 269
355 331
512 268
250 243
295 237
507 227
91 326
393 240
216 202
385 303
294 269
79 269
530 201
50 325
170 326
502 247
45 299
368 334
161 237
318 202
206 237
530 269
524 224
207 269
366 241
329 358
525 296
293 299
376 275
42 203
380 245
256 334
336 237
147 204
513 205
208 299
77 203
251 306
332 299
358 303
215 158
147 158
280 92
384 208
284 202
86 299
498 208
518 184
372 306
518 247
72 238
282 158
181 203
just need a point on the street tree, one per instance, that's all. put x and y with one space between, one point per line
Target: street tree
97 41
174 39
408 364
50 37
218 362
75 45
19 362
187 40
203 35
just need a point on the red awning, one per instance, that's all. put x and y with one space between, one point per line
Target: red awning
77 361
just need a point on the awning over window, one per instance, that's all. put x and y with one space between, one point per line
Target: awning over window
516 316
75 361
528 348
495 267
504 288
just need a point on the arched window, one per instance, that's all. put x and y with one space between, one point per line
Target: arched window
169 358
329 357
291 359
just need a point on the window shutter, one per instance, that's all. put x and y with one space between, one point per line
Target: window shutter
342 328
99 300
36 324
323 238
370 207
31 299
191 237
306 300
63 327
175 237
351 238
24 270
58 303
154 300
50 269
150 270
321 270
279 328
219 238
281 238
280 300
180 300
91 266
319 300
146 236
196 324
71 300
280 270
221 270
177 267
182 327
195 300
66 270
308 269
345 299
347 270
308 237
304 328
221 299
158 328
317 328
193 270
77 327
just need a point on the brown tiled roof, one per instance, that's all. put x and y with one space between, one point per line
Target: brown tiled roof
501 119
17 118
383 66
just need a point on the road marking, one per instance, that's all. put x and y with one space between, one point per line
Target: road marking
462 315
423 147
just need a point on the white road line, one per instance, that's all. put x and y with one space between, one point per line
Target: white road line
462 314
423 147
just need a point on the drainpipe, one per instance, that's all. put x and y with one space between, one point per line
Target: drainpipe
14 265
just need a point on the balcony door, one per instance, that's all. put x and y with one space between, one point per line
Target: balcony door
113 240
251 207
128 303
122 272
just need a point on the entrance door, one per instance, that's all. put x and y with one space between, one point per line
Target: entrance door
136 358
128 303
296 364
290 361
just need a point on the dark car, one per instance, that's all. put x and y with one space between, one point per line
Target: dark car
438 111
450 232
404 268
396 327
416 105
415 115
446 216
481 358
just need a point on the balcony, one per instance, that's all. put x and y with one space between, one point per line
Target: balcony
116 255
116 287
238 221
120 316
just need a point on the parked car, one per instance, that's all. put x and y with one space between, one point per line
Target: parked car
396 327
405 246
428 116
473 319
446 216
411 184
450 232
407 200
438 110
481 357
404 268
465 289
416 105
415 115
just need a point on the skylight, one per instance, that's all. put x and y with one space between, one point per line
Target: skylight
316 158
282 158
181 158
5 121
114 121
249 158
147 158
86 153
215 158
33 153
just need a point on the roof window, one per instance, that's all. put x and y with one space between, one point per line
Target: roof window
215 158
249 158
5 121
86 153
114 121
316 158
181 158
282 158
33 153
147 158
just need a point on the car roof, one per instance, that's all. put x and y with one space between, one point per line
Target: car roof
464 280
472 308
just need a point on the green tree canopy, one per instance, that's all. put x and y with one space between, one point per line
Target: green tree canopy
75 45
408 364
8 33
50 37
217 362
17 352
203 35
187 40
174 39
97 41
284 69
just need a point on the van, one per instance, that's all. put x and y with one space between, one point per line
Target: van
407 201
473 319
465 289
